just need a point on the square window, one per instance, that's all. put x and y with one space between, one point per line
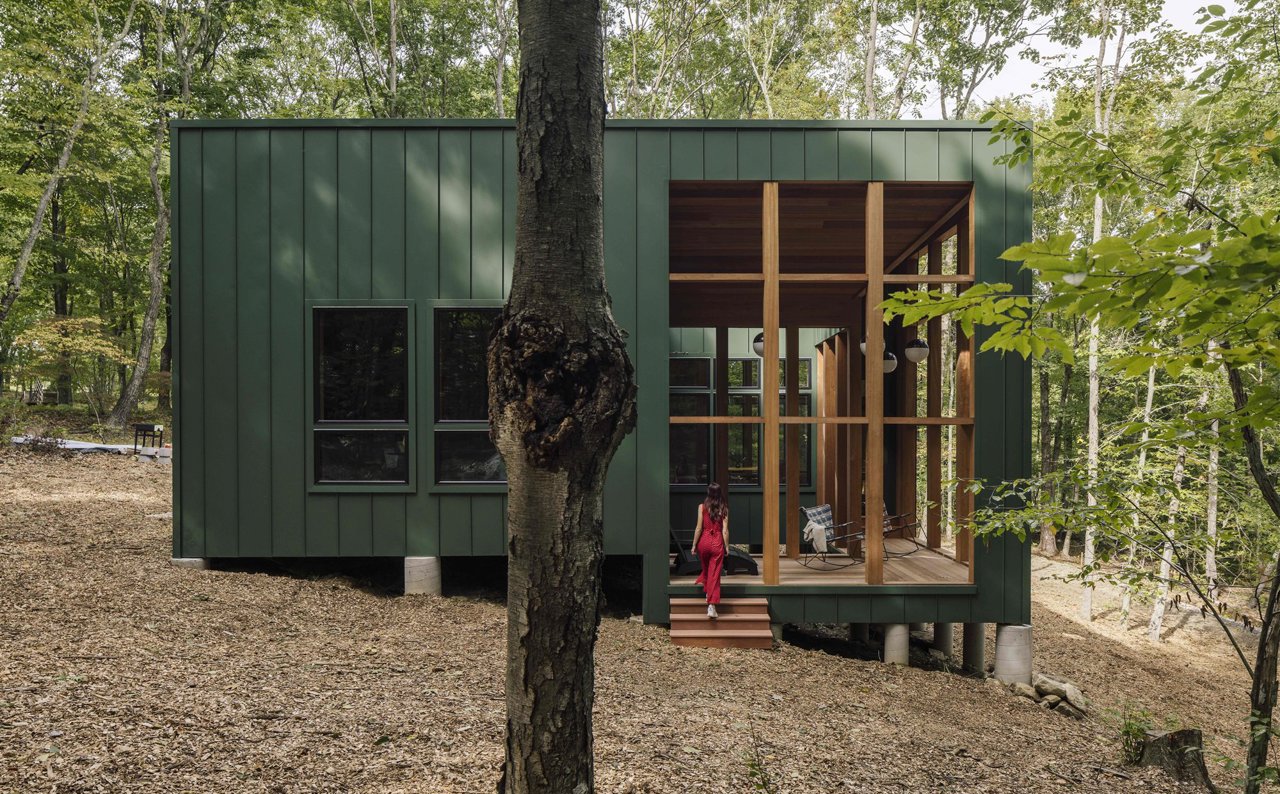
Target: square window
467 456
690 373
744 373
362 456
690 444
361 364
462 372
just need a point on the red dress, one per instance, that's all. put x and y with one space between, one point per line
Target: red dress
711 553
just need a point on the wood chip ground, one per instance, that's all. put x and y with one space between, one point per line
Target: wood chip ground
122 673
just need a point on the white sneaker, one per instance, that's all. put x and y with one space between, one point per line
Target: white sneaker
711 611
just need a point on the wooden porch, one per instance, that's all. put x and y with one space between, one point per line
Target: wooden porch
784 256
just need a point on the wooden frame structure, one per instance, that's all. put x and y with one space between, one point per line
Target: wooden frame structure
851 419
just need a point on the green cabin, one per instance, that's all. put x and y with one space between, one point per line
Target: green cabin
334 282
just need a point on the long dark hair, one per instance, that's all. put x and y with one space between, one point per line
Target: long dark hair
714 505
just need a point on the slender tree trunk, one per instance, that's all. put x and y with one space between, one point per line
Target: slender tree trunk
562 396
166 353
105 50
1262 694
869 66
1211 553
1126 600
1166 549
1048 539
1091 461
128 401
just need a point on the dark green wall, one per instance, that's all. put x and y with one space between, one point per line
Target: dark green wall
270 214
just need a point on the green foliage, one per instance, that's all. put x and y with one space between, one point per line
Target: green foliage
1135 721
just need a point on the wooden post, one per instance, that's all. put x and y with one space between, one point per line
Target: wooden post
875 383
830 399
857 368
964 405
722 409
818 372
793 443
908 435
769 383
840 506
933 407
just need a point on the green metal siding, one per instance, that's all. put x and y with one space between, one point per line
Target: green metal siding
270 214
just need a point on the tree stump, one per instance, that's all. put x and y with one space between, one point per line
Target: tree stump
1180 753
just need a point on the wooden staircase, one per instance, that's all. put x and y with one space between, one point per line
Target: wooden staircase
743 623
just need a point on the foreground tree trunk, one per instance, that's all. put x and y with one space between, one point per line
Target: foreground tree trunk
561 398
1126 601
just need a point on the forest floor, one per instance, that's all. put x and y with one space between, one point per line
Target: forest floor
120 672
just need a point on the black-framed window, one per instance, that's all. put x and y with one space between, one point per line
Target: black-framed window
690 445
361 395
805 368
687 372
463 451
744 373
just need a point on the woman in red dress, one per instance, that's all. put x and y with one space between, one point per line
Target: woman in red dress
710 540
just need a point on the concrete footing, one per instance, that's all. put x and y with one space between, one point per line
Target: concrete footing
1013 653
422 576
897 642
194 563
944 638
776 628
975 649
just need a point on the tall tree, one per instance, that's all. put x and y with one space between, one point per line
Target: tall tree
561 399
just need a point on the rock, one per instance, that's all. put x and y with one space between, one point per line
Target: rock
1067 710
1051 700
1066 690
1025 690
1180 753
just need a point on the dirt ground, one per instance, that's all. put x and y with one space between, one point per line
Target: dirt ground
122 673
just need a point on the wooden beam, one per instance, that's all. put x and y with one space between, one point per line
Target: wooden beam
875 384
793 443
908 379
822 278
928 234
716 420
830 399
769 383
823 420
722 409
928 421
933 409
964 406
697 277
931 280
818 371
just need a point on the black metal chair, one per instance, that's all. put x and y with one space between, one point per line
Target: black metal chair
687 563
821 537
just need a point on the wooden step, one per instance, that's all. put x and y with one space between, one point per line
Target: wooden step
726 622
700 638
727 606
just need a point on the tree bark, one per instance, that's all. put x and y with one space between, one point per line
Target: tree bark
128 401
1126 600
1048 539
561 398
1166 549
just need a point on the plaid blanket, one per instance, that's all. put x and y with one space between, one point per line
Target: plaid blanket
820 531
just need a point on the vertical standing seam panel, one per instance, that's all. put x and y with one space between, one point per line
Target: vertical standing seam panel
754 154
175 337
888 155
509 208
488 535
854 154
821 155
653 165
1018 387
288 386
320 281
253 325
686 154
486 214
190 352
990 431
388 281
922 155
355 279
786 154
220 343
620 525
955 155
720 154
455 525
455 214
422 269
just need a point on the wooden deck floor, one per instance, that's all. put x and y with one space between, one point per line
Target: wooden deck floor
918 565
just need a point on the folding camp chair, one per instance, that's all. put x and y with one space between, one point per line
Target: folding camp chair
821 535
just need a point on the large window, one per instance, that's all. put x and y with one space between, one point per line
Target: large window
464 453
360 391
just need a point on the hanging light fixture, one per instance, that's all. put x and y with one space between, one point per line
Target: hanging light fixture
890 362
757 344
917 350
863 346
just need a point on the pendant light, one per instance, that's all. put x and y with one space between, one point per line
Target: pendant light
863 346
917 350
757 344
890 362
